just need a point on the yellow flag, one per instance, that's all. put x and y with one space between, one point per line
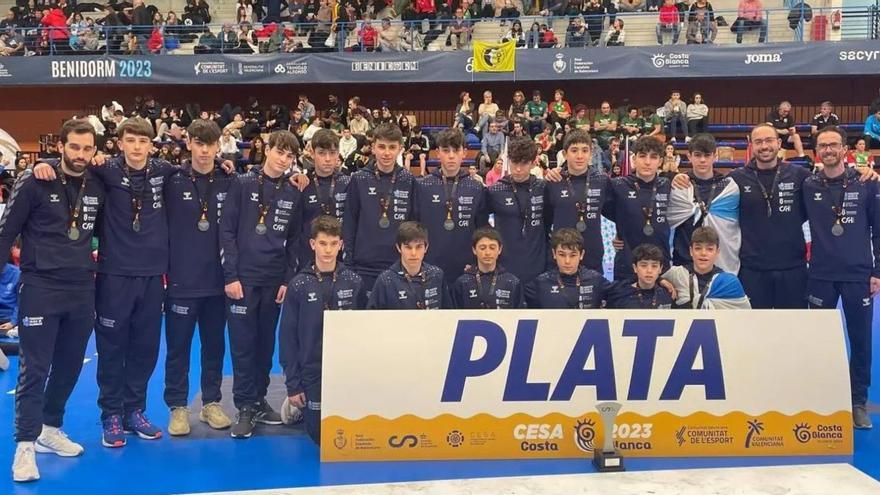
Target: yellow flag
494 57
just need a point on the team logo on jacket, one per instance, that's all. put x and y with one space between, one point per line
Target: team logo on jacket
817 196
238 310
255 197
313 199
371 191
508 201
435 198
181 310
563 193
747 189
401 295
631 195
473 293
32 321
125 181
53 198
554 289
187 196
312 297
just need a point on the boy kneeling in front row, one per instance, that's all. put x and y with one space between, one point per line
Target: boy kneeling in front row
646 292
702 285
326 285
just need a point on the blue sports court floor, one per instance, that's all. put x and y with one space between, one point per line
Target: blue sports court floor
204 463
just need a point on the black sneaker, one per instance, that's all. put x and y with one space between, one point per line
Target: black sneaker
244 422
266 415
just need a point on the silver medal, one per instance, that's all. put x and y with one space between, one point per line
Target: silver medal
448 224
261 229
384 223
136 226
203 225
581 226
73 234
837 230
648 229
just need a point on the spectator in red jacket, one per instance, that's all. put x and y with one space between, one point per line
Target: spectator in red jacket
368 36
56 23
669 22
156 43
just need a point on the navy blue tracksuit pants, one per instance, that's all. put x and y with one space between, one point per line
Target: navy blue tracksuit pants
312 413
54 329
252 324
127 331
858 308
779 289
181 316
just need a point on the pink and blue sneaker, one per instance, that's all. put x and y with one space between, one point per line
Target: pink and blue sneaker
136 423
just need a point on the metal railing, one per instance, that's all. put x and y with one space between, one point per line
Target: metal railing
587 31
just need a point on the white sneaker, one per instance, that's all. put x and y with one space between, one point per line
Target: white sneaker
24 467
53 441
290 414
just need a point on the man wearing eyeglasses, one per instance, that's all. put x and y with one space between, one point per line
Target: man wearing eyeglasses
844 217
773 267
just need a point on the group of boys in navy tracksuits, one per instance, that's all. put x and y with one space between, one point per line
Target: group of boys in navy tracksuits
245 250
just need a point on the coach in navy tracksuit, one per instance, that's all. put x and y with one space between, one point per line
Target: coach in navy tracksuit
194 198
57 304
326 192
258 236
576 200
637 204
517 201
487 285
410 283
379 200
132 258
844 217
324 285
568 285
773 267
451 205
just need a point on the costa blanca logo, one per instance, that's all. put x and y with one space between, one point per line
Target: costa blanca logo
763 58
671 60
585 433
804 433
538 437
559 65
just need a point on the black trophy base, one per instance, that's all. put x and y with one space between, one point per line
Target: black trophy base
607 462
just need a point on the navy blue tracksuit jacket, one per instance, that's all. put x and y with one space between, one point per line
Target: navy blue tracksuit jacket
519 217
450 249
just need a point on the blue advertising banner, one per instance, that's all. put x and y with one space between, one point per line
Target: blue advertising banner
684 61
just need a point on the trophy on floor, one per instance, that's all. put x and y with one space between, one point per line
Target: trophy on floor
607 458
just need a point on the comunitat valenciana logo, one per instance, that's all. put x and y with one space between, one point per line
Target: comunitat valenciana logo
671 60
763 58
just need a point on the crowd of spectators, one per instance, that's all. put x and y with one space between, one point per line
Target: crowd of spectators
34 27
488 125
